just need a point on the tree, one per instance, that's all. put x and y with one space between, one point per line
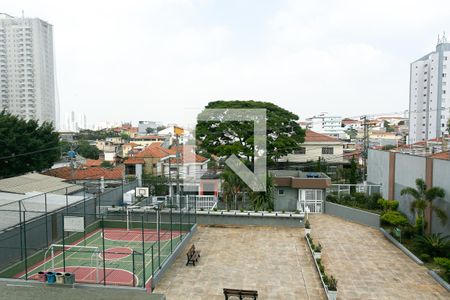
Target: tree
159 128
448 127
352 133
125 136
225 138
26 146
158 185
87 151
106 164
388 126
149 130
232 186
423 198
264 200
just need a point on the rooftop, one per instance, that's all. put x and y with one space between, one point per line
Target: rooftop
68 173
312 136
34 182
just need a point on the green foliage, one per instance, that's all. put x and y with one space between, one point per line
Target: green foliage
424 197
332 283
444 264
125 136
87 151
359 200
318 248
264 200
434 245
26 146
232 187
425 257
388 147
106 164
307 224
158 185
394 218
388 204
92 135
226 138
352 133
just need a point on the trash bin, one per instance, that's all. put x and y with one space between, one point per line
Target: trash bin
41 276
69 278
60 278
51 277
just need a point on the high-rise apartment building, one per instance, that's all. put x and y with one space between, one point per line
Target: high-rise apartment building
27 82
429 94
326 124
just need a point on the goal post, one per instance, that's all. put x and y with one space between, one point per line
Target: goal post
54 251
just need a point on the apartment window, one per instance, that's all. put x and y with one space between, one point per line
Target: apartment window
280 192
300 150
445 57
327 150
444 92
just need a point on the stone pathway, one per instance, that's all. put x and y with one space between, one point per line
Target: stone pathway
367 265
273 261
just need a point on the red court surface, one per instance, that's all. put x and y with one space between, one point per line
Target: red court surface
117 253
135 235
89 275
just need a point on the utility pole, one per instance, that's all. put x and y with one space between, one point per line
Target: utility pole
365 145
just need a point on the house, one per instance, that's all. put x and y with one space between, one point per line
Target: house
146 140
87 174
296 190
127 149
150 156
317 145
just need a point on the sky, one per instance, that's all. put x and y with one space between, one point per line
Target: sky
164 60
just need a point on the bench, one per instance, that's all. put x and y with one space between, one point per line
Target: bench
240 293
192 255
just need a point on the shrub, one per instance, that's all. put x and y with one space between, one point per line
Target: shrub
332 198
387 205
325 279
283 211
425 257
269 210
242 210
408 231
296 212
318 248
372 201
394 218
433 245
444 263
332 283
360 198
420 225
201 209
307 224
215 209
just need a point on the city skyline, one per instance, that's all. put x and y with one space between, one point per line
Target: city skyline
167 59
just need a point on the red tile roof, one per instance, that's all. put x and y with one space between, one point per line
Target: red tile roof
155 150
441 155
149 137
312 136
134 161
93 162
86 173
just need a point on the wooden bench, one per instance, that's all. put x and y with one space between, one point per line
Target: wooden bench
192 255
240 293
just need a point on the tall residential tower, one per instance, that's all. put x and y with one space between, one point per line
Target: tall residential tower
429 94
27 82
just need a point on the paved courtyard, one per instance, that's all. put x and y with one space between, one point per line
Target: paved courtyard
273 261
367 266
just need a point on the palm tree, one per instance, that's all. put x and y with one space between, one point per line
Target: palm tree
423 198
232 186
264 200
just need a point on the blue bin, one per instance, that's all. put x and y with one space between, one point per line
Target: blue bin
51 277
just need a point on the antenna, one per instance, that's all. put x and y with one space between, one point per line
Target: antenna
444 39
23 14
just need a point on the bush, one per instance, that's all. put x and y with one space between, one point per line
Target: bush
433 245
332 283
387 205
408 231
242 210
425 257
318 248
444 264
372 201
307 224
394 218
332 198
215 209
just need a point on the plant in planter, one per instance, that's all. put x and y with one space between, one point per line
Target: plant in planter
241 210
215 209
318 251
332 288
201 209
307 227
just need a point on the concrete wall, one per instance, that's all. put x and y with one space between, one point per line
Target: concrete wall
407 169
441 178
286 202
378 169
352 214
215 219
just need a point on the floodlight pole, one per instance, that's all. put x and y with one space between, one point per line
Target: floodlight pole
128 218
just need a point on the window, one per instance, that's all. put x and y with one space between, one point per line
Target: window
327 150
281 192
300 150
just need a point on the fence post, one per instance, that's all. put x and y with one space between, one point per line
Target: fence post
133 268
46 220
63 243
171 225
67 202
143 251
103 245
20 229
25 245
